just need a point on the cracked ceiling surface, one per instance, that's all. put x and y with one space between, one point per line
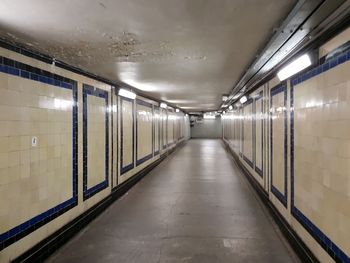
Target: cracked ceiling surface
187 53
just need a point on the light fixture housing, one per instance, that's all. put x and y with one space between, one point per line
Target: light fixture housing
127 94
243 99
294 67
163 105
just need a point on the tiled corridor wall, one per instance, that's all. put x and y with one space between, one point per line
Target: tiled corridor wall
305 140
66 142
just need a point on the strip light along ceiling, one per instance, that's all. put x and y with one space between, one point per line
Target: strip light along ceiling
208 116
294 67
127 94
163 105
243 99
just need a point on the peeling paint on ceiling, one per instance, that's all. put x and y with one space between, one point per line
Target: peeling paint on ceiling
190 52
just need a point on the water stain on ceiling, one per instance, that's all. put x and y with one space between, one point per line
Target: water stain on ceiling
191 52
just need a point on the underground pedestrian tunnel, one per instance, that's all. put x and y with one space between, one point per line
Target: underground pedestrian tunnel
175 131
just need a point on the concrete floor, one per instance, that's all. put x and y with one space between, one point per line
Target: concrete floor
194 207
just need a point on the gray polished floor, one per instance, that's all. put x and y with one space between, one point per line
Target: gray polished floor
194 207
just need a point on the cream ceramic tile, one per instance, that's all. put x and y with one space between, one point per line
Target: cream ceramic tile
157 130
170 127
127 126
335 42
96 134
258 133
321 152
144 130
248 132
278 165
22 116
42 174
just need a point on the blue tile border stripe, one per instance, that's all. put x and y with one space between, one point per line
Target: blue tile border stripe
93 91
245 158
282 197
128 167
322 239
19 69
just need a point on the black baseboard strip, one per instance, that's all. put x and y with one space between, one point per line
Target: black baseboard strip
298 245
49 245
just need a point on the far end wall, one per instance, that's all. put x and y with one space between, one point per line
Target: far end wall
207 128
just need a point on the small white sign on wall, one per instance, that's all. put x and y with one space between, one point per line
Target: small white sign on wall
34 141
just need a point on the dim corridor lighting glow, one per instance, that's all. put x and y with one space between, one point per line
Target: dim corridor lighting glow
208 116
294 67
177 110
243 99
230 108
163 105
127 94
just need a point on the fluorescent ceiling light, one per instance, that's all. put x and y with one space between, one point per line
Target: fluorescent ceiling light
208 116
230 108
294 67
243 99
163 105
177 110
127 94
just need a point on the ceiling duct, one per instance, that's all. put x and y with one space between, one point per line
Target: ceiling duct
308 19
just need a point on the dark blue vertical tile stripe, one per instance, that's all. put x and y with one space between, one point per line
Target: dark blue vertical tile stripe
150 155
93 91
19 69
259 170
322 239
282 197
128 167
245 158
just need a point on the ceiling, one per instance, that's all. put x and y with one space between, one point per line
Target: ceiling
186 52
